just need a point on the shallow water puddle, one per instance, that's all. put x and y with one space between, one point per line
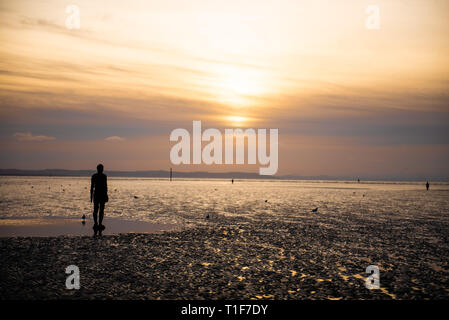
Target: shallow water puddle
46 227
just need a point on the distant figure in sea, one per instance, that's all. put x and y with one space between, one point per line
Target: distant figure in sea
232 181
99 195
427 185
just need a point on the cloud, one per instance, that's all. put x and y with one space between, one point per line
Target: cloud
27 136
114 138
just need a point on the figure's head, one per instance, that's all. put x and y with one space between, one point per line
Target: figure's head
100 168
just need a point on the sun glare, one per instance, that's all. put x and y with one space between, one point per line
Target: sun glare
238 86
237 121
242 83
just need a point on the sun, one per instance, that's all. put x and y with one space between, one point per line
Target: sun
237 121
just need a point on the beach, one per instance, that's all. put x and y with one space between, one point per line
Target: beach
306 255
210 153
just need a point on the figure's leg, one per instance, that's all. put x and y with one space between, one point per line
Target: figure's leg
101 212
95 212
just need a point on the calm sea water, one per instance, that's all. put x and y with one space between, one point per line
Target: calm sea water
187 202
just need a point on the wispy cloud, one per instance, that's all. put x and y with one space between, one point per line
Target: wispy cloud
28 136
114 138
344 100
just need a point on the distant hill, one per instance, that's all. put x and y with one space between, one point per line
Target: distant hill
140 174
208 175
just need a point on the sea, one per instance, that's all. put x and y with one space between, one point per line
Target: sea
185 203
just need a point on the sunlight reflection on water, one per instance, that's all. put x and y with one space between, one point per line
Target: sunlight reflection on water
187 202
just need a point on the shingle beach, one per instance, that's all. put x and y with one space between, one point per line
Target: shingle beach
315 257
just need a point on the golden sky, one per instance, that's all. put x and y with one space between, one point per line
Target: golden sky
346 100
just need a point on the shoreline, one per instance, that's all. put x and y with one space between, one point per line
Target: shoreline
204 175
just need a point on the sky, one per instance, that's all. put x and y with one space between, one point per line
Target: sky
347 100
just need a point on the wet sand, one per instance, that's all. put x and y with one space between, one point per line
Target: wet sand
315 257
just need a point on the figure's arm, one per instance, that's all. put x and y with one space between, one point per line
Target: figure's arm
106 184
91 187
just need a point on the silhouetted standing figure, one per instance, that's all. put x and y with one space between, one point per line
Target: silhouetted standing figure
99 194
232 181
427 185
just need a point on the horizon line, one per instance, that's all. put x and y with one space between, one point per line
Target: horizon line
228 174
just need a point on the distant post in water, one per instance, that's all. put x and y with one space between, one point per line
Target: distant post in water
171 174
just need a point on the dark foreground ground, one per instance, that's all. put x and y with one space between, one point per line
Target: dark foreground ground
317 258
